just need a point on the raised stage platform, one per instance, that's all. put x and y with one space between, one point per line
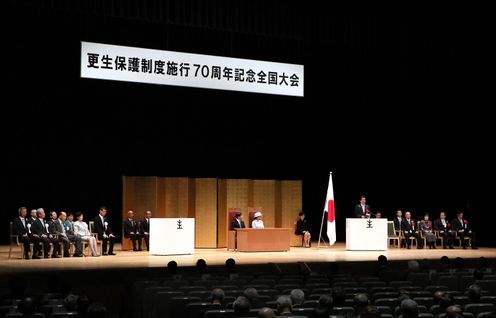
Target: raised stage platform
129 259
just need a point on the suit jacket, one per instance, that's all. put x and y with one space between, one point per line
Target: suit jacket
359 211
18 228
57 227
407 226
397 225
69 225
130 227
52 226
457 226
235 225
100 227
302 226
438 225
39 228
30 220
145 226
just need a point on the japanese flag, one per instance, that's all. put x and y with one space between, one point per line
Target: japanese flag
331 217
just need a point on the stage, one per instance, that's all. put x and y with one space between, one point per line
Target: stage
129 259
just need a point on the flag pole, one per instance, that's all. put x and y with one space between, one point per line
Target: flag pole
321 238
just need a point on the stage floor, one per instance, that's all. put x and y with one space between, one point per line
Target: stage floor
129 259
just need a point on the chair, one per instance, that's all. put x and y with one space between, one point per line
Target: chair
411 238
393 235
93 232
466 238
197 310
476 309
14 241
439 237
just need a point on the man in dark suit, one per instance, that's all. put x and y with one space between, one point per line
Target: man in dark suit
145 229
238 222
67 235
21 229
461 227
362 210
398 220
131 230
104 232
410 230
444 227
32 217
41 235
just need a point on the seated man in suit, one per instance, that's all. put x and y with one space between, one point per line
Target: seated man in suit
104 232
410 229
238 222
145 229
460 225
67 235
21 229
132 230
32 216
398 220
362 210
444 227
41 234
55 228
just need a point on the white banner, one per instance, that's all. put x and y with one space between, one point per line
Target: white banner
130 64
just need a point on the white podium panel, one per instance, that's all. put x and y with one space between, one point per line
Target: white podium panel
170 236
366 234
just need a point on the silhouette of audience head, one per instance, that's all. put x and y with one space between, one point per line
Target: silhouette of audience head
230 264
382 260
218 296
172 267
241 306
474 293
297 296
370 311
201 264
284 305
409 308
359 302
266 313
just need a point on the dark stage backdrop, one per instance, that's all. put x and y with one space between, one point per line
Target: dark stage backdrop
393 106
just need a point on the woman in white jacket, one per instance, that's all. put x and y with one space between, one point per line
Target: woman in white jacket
82 231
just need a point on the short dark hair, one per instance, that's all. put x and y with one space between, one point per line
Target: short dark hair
238 214
102 208
301 213
459 212
241 306
370 311
362 197
77 214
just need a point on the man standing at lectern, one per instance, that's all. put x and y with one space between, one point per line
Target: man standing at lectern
362 210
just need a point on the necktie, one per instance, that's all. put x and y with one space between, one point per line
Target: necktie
62 226
23 222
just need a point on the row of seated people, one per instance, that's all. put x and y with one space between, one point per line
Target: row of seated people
431 231
60 231
296 303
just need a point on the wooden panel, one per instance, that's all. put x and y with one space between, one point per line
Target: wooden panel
264 196
206 213
263 240
176 197
235 194
160 213
291 204
139 195
278 205
221 213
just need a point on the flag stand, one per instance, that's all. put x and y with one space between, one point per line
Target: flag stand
321 238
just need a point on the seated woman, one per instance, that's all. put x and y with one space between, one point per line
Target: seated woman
257 222
82 231
426 227
303 229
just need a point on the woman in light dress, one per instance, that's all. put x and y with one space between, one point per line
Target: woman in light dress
257 222
81 230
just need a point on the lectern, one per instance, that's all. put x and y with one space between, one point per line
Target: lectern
171 236
366 234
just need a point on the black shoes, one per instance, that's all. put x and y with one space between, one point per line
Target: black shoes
111 253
